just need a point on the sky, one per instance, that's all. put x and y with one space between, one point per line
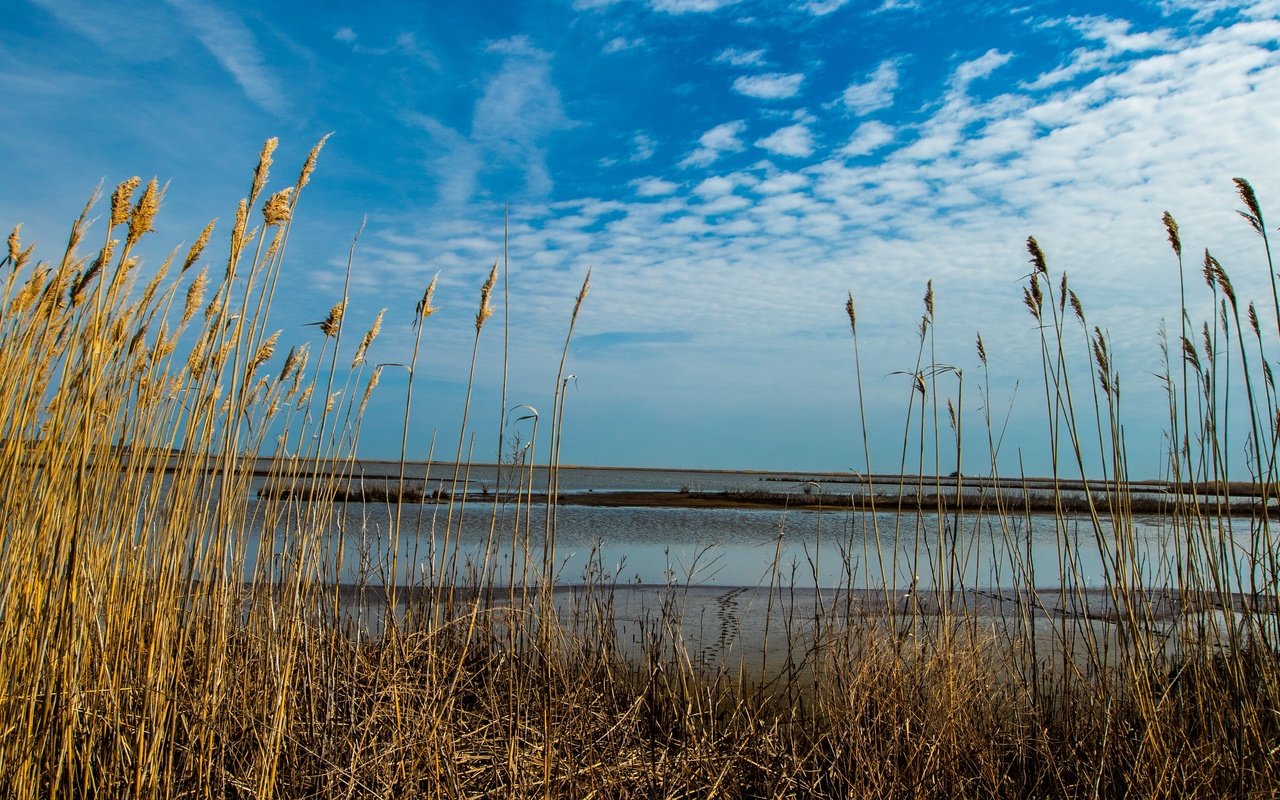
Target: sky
730 170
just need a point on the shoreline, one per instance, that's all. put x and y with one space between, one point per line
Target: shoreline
1006 501
1152 604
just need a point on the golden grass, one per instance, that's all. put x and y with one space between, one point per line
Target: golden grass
140 658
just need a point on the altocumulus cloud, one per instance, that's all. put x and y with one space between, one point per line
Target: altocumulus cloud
770 86
794 140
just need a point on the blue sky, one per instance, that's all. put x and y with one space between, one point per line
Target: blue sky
730 170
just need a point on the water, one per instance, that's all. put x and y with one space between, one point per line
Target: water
484 477
717 547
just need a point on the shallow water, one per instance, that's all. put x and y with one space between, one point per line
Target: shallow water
727 547
722 548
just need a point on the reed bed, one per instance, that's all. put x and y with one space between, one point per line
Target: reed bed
150 647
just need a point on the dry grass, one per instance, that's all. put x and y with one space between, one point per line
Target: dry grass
139 658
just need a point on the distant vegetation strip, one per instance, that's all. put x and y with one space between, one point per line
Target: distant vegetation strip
1006 500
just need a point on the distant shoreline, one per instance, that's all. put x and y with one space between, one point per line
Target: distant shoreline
1007 501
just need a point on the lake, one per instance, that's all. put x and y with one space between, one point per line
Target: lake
811 548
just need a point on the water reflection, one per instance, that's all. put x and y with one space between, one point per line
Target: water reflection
716 547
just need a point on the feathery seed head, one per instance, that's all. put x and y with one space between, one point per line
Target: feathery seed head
1102 360
582 295
264 167
15 244
309 165
165 343
425 309
153 285
1254 213
24 257
1171 228
982 351
1253 320
196 249
1033 297
1220 275
951 413
264 352
274 247
104 257
367 340
333 323
289 362
277 208
928 301
122 200
239 239
1189 353
853 316
1077 306
486 292
29 291
144 213
195 295
368 390
220 357
303 398
1037 256
215 303
1206 270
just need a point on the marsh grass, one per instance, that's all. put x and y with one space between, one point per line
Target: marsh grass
146 652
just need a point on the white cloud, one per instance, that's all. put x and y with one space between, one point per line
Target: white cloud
518 109
654 187
874 93
619 44
345 35
821 8
1115 34
867 138
741 58
1117 40
1201 9
980 67
227 38
770 86
783 182
131 30
520 45
690 6
642 147
724 204
714 186
724 136
794 140
721 138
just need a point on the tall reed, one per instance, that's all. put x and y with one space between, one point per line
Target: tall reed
168 632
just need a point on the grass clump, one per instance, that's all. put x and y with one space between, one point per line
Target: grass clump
170 629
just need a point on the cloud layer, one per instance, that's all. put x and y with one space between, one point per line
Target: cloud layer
729 175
